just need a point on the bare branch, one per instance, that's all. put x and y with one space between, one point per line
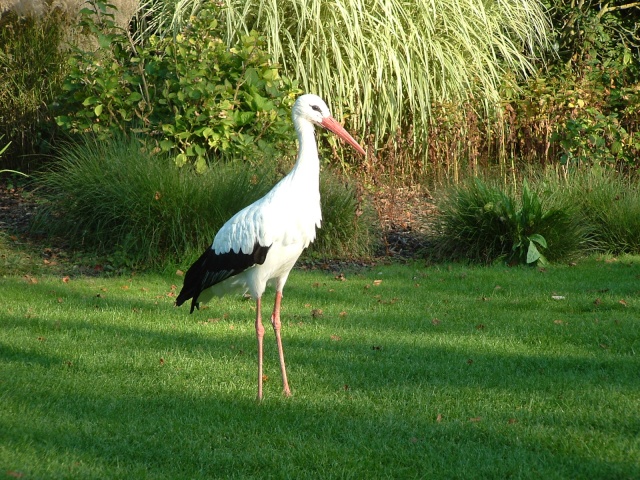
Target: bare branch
608 9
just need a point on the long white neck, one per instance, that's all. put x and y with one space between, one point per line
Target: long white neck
308 163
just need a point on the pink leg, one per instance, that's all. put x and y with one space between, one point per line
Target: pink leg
260 336
275 321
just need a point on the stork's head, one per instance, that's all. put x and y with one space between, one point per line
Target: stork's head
314 110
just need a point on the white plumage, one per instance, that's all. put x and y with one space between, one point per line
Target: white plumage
261 243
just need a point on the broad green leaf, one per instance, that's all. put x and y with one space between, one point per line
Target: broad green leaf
539 239
532 254
105 40
181 159
166 145
201 164
90 101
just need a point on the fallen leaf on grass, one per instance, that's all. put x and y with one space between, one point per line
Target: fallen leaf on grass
335 338
30 279
340 277
439 418
343 314
316 312
435 322
179 273
65 279
377 282
475 419
14 474
623 303
161 361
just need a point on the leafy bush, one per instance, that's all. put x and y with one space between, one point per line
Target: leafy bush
482 223
193 95
119 198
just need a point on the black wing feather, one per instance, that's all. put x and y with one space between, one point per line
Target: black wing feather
212 268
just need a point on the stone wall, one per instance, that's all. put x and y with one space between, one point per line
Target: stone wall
126 8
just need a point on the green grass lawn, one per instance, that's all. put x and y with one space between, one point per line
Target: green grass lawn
396 372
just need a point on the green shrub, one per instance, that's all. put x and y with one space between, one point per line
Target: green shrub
197 98
482 223
347 221
609 203
119 198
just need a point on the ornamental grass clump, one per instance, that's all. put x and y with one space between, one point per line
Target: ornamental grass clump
479 222
385 63
608 202
117 197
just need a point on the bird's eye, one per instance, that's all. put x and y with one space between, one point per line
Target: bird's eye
316 108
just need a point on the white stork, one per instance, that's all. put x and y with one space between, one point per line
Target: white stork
261 243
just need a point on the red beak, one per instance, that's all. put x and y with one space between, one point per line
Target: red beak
332 124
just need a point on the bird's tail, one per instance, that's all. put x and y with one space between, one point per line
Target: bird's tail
193 283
